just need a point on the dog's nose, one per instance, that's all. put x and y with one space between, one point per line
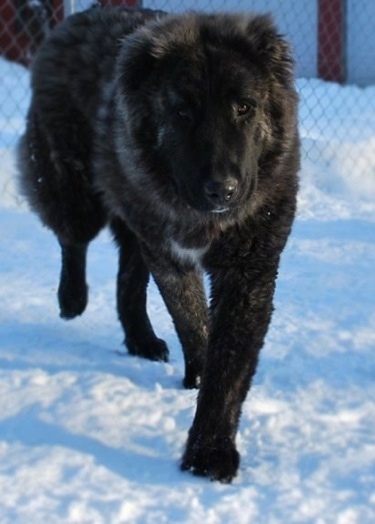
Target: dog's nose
220 192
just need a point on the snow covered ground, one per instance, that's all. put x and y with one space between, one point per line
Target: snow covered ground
91 435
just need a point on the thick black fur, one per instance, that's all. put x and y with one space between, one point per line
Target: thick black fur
180 132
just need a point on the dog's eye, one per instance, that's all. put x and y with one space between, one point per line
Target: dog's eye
184 113
244 109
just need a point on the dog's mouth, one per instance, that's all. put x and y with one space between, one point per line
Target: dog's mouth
207 208
220 210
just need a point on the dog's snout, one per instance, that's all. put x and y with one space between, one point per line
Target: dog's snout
220 192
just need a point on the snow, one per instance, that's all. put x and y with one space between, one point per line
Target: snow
91 435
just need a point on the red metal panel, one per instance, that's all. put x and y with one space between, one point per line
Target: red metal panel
17 39
331 40
19 34
12 45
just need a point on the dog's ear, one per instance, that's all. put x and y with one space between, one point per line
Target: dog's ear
136 61
271 49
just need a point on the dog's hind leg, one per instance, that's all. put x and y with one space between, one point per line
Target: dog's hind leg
73 290
132 279
56 178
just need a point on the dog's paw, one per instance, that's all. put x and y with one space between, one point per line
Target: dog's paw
72 299
191 381
193 374
217 462
152 349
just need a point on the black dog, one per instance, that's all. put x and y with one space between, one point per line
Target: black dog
180 132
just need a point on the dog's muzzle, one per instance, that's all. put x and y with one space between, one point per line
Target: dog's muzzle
220 194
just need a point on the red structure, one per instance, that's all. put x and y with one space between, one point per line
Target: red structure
331 40
25 23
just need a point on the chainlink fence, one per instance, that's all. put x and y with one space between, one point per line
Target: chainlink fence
332 40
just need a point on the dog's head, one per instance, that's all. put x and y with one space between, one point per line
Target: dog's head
210 97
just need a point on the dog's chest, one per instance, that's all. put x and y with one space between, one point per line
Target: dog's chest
191 256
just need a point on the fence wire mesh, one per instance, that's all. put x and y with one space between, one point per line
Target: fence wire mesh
332 40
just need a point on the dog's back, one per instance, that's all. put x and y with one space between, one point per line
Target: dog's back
80 55
68 75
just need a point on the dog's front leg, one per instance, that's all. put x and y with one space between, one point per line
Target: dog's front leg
241 310
182 290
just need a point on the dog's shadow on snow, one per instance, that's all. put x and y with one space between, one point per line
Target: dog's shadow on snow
30 431
54 348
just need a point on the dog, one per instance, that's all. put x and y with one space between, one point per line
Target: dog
179 132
